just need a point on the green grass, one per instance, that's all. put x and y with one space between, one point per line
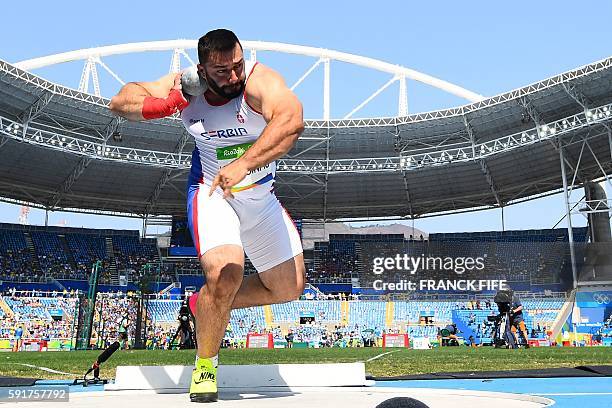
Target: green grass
402 362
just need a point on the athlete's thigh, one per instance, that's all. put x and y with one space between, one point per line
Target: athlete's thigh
223 265
212 221
287 278
271 239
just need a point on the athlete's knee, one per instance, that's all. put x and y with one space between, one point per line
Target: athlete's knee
301 281
297 288
222 282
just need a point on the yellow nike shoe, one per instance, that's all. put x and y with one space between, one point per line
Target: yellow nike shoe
204 382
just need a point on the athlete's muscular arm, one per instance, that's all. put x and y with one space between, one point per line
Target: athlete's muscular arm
283 113
149 100
266 91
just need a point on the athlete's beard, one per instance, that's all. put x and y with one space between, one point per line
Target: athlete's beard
227 91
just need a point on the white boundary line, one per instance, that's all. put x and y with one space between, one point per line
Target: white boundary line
45 369
380 355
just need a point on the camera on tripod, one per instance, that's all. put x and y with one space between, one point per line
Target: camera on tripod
184 314
185 333
503 300
502 333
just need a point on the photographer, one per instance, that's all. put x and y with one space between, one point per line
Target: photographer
502 332
516 320
289 338
448 335
122 333
184 333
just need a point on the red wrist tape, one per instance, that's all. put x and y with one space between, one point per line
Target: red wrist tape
155 108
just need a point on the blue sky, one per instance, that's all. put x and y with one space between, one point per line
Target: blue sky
487 47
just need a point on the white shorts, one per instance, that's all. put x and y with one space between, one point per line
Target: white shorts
262 227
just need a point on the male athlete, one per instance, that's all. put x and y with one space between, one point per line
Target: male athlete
246 119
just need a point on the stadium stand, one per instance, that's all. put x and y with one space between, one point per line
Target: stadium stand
244 321
36 254
42 316
52 257
367 314
163 311
533 261
365 319
326 311
16 258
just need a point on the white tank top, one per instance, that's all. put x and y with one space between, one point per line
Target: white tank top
222 134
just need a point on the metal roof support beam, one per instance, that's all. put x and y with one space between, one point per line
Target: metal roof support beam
307 149
180 192
468 128
326 181
3 140
402 103
585 103
82 165
582 72
408 198
570 229
571 186
610 140
405 179
576 95
293 190
110 71
72 142
89 70
69 181
303 197
185 136
369 98
303 180
154 197
536 117
254 45
603 171
325 198
110 129
178 173
36 204
94 77
484 168
326 89
593 207
533 113
305 75
84 82
19 187
542 185
315 179
152 201
10 130
34 110
175 63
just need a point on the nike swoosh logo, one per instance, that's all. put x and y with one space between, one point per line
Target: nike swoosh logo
205 377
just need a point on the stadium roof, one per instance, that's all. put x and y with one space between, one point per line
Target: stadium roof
57 151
